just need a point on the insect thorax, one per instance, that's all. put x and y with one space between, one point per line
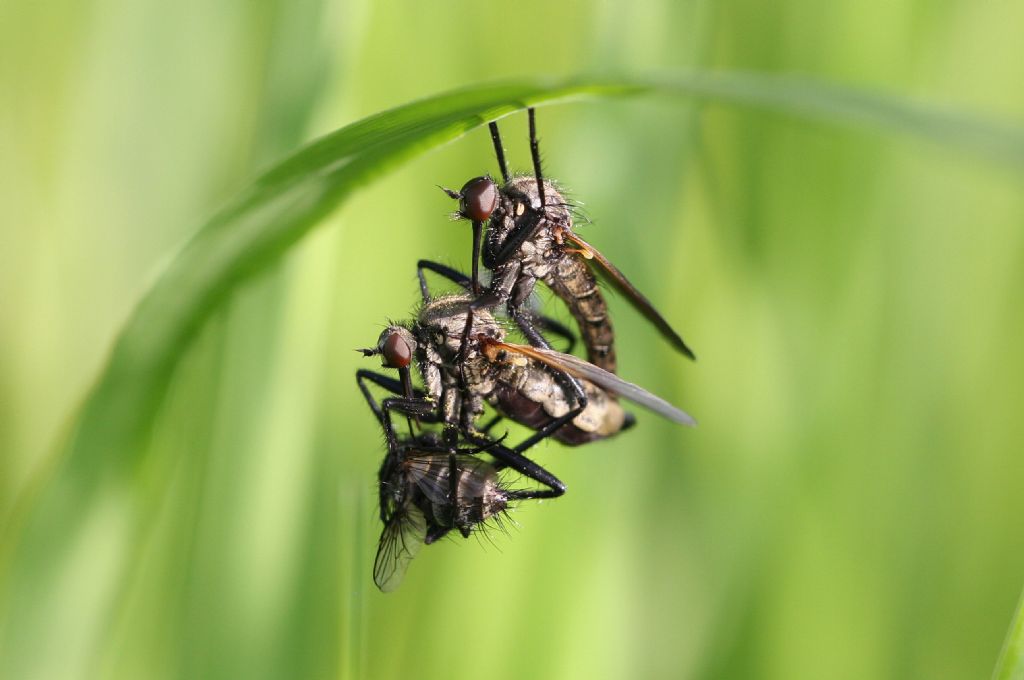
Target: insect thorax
518 203
440 327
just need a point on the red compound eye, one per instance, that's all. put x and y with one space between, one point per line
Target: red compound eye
479 198
397 353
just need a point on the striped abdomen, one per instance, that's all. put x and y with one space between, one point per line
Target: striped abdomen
573 281
531 396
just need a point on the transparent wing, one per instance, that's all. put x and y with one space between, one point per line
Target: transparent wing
580 368
636 298
401 539
430 473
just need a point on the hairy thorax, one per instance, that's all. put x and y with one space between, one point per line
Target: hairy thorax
518 204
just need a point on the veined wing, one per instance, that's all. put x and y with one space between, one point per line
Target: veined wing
401 539
430 472
579 368
636 298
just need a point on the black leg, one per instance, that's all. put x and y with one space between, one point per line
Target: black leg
514 459
568 383
555 327
525 229
558 329
453 275
491 423
571 386
535 152
399 387
390 384
552 427
477 231
415 407
499 151
484 301
361 375
524 320
453 481
385 493
418 408
464 348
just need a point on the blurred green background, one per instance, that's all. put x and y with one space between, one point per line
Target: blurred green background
849 507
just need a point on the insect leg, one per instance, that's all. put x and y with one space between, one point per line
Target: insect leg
515 459
523 231
453 491
491 423
558 329
417 407
390 384
482 302
453 481
571 386
453 274
548 323
499 151
535 153
447 272
478 228
524 320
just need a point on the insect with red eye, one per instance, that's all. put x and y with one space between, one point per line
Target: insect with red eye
530 238
466 366
557 395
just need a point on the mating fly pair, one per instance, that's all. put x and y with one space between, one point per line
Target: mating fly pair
431 483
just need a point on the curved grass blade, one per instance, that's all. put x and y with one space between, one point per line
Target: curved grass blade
108 436
991 140
1011 660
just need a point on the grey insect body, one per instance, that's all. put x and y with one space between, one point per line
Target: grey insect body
519 387
427 490
530 238
548 258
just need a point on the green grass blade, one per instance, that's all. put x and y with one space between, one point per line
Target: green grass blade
801 98
109 434
1011 660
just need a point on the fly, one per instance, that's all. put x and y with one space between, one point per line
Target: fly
530 237
425 492
556 394
428 487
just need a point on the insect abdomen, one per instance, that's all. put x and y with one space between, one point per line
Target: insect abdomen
575 284
525 411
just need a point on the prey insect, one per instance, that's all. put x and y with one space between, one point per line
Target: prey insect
428 487
426 490
530 237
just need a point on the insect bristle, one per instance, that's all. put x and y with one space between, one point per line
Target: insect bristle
484 532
